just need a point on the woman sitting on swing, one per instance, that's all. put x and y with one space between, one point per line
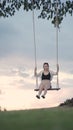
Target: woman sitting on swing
46 77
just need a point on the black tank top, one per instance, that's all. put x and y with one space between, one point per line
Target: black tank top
46 77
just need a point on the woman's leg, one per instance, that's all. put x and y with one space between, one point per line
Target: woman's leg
45 90
47 85
40 89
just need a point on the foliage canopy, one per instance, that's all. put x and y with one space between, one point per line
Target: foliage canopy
48 8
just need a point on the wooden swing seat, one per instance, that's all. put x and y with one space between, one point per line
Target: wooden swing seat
51 88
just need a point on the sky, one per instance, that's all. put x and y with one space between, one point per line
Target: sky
17 81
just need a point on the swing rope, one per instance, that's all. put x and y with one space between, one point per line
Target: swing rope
34 41
35 53
57 57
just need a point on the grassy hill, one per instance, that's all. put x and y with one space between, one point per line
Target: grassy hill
39 119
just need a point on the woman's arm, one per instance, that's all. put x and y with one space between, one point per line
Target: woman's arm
37 74
35 69
55 73
57 68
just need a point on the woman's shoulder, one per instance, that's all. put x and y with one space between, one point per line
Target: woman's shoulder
40 73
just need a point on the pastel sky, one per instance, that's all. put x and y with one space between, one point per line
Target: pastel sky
17 82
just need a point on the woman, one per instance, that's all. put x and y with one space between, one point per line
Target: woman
46 77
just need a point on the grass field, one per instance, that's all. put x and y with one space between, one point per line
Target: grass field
39 119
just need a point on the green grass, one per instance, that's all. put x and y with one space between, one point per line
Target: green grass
39 119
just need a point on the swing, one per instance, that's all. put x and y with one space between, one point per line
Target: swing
35 57
37 89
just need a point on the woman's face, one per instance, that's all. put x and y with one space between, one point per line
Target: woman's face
46 67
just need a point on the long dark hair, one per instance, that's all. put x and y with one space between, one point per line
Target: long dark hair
45 63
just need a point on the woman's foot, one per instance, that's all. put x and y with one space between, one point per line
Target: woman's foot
43 96
38 96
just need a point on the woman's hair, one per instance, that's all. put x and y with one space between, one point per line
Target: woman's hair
45 63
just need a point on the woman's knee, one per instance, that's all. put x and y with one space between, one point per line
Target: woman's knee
41 86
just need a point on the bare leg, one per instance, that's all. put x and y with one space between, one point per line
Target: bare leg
40 89
45 88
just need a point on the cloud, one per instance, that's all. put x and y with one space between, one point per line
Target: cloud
15 99
71 72
17 37
17 59
16 89
7 33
